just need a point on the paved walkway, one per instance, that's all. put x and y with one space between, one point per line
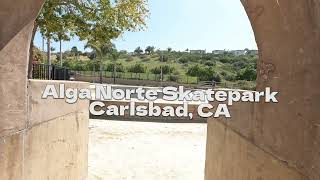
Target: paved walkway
120 150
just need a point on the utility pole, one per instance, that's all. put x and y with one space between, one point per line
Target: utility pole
161 73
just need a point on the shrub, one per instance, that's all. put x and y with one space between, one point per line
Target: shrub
166 69
119 67
204 73
248 74
209 63
130 58
174 78
137 68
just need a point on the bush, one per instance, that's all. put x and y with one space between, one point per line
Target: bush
38 56
209 63
130 58
119 67
230 77
165 58
174 78
204 73
248 74
137 68
166 69
146 59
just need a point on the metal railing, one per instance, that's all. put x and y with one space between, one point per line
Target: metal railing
141 76
50 72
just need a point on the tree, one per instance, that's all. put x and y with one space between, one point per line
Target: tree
114 56
101 50
98 20
74 51
137 68
248 74
169 49
149 49
61 36
138 51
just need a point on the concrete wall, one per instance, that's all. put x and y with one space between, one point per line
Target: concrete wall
286 133
54 142
39 139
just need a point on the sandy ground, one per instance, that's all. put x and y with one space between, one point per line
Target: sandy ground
121 150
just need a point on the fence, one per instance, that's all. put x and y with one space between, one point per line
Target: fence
141 76
50 72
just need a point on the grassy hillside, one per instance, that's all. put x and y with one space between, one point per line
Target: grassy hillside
230 71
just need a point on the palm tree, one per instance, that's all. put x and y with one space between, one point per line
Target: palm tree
101 51
115 56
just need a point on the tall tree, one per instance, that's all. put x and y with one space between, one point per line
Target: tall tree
138 51
91 20
149 49
74 51
101 50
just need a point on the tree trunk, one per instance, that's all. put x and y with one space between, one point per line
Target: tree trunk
101 71
49 57
35 26
60 52
43 44
114 73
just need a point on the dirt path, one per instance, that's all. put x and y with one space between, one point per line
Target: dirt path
146 151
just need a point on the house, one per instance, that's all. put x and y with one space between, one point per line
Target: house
238 52
252 52
218 52
197 51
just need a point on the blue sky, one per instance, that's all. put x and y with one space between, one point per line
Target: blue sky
182 24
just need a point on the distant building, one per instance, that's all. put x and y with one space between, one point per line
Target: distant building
217 52
197 51
252 52
238 52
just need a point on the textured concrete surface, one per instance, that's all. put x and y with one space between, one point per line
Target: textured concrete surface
39 139
57 149
14 16
288 38
11 157
50 147
13 83
121 150
233 157
41 110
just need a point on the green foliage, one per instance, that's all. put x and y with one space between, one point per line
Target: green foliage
163 58
210 63
129 59
119 67
95 21
138 51
137 68
149 49
166 69
38 56
189 58
204 73
248 74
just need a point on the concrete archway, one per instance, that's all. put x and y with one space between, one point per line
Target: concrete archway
276 141
279 141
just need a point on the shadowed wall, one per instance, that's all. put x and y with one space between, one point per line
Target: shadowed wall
285 135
